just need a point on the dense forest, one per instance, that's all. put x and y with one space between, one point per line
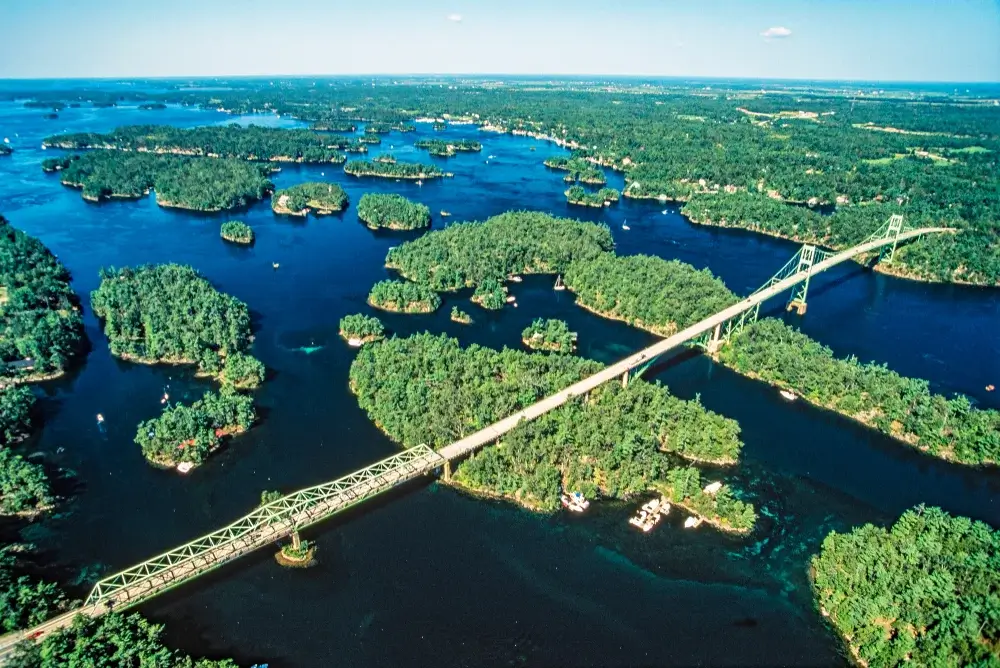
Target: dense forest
230 141
403 297
303 198
190 433
617 444
112 640
25 600
41 331
549 334
237 232
393 170
363 328
202 184
922 593
391 211
446 149
578 170
901 407
170 313
603 197
934 157
517 242
24 485
661 296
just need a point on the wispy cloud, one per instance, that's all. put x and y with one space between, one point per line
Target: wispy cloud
777 32
457 18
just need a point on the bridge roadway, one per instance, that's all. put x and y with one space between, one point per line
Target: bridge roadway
424 462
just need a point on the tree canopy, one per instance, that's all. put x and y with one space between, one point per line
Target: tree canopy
393 170
316 197
403 297
392 211
549 334
39 320
170 313
237 231
922 593
517 242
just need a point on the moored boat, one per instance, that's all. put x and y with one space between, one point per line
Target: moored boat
788 396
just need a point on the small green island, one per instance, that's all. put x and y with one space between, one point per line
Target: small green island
152 106
403 297
237 232
447 149
358 329
188 434
333 126
370 139
198 184
604 197
922 593
392 211
491 294
549 334
393 170
146 313
578 170
460 316
580 446
320 199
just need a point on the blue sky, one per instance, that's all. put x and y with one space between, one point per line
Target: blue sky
909 40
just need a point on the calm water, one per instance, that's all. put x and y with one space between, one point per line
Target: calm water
427 576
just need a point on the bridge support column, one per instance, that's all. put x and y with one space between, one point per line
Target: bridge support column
797 306
715 342
625 379
447 470
296 540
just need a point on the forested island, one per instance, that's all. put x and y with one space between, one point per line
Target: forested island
333 126
383 128
578 170
188 434
403 297
491 294
41 331
618 444
923 593
229 141
237 232
460 316
358 329
517 242
900 407
393 170
549 334
320 199
660 296
447 149
603 197
200 184
391 211
152 106
148 318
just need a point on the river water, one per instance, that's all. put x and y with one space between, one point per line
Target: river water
426 575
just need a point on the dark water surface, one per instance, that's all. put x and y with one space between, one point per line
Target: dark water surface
425 575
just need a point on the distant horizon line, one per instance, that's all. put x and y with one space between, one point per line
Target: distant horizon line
490 75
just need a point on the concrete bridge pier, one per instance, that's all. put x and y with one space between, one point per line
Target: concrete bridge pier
715 342
625 379
797 305
447 470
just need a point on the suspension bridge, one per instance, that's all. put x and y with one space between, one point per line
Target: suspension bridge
286 516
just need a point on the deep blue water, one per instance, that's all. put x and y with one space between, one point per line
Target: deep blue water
428 576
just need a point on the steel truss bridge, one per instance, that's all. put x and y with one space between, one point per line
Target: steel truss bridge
285 516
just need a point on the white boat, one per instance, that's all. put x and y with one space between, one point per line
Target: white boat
6 141
664 212
184 467
516 279
419 182
569 503
712 488
652 506
322 173
559 284
580 500
788 396
692 522
511 299
275 265
625 226
100 418
354 342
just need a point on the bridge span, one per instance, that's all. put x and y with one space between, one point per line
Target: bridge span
279 519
